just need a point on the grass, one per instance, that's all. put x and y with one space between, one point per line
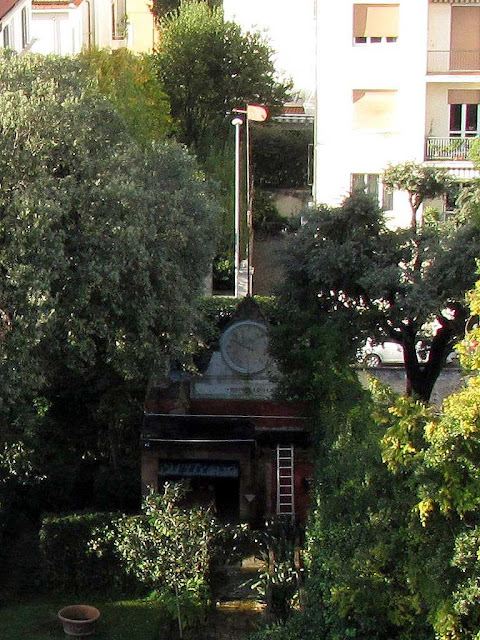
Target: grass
120 620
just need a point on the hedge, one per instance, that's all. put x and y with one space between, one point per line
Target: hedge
69 564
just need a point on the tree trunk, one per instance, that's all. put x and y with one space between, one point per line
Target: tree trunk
422 376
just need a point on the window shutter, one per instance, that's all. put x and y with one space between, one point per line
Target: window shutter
375 20
464 96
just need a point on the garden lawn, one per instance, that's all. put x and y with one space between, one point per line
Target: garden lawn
120 620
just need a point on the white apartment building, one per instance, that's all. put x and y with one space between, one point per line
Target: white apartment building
396 81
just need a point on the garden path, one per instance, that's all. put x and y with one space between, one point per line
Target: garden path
239 608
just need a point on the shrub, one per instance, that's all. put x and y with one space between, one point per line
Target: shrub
67 560
267 220
167 549
280 156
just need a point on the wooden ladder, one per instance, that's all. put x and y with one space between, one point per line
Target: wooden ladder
285 481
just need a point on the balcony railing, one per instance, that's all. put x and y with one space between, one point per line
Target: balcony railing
453 61
448 148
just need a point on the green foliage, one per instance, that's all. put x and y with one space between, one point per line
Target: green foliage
162 7
277 545
104 250
439 458
346 267
219 165
223 273
267 220
67 562
420 182
280 156
393 537
167 547
130 83
208 67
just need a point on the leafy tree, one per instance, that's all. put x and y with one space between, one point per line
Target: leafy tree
131 84
393 539
208 67
167 548
439 459
104 249
280 156
420 182
347 266
162 7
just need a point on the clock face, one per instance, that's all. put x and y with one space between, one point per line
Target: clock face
244 346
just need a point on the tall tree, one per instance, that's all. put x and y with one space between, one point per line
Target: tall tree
130 83
346 265
104 250
421 183
208 67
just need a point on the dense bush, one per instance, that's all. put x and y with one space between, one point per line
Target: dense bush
393 538
267 220
68 562
280 156
167 549
167 546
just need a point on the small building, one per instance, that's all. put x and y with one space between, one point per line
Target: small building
65 27
244 452
15 16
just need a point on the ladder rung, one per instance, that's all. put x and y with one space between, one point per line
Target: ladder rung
285 480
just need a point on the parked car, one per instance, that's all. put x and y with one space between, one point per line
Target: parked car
374 354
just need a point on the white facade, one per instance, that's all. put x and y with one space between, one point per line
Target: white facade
392 79
290 30
15 25
64 27
57 29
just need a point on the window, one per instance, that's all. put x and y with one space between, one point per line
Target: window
25 29
463 106
118 19
6 37
387 199
463 120
370 184
375 23
365 183
374 109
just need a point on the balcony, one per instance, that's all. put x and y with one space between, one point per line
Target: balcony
453 62
448 148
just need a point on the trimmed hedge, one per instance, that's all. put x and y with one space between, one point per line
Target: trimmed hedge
67 561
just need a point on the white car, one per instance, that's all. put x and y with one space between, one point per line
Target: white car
375 354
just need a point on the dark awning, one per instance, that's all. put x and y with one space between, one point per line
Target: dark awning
162 428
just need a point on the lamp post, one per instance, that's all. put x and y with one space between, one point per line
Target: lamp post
237 123
258 114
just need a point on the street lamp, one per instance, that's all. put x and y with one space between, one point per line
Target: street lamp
237 123
258 114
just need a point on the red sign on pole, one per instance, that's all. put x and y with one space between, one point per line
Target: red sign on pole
257 113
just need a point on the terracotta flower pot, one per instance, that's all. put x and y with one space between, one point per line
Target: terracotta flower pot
79 619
